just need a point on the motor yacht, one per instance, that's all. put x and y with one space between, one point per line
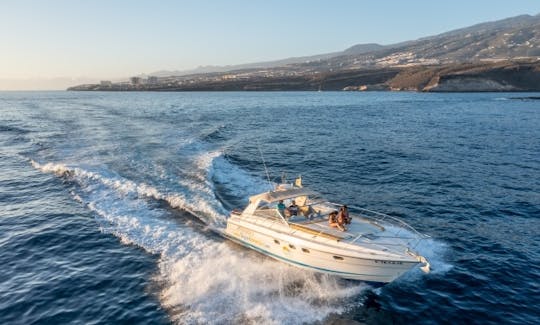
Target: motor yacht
372 247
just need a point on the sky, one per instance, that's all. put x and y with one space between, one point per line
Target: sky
44 43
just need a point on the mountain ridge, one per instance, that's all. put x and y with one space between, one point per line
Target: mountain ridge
487 33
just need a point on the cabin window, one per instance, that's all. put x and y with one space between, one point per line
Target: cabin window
292 246
276 241
305 250
339 258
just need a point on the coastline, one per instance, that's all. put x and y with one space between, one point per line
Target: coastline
501 76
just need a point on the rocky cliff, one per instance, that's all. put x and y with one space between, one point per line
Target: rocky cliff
495 76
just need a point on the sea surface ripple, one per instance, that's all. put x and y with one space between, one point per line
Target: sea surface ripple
109 202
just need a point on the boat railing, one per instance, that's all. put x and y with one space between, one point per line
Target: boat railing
386 246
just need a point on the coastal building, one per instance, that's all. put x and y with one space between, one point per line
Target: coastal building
228 77
135 80
105 83
152 80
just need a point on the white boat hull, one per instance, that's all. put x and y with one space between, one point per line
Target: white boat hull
306 254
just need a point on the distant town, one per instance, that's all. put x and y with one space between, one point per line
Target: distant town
194 81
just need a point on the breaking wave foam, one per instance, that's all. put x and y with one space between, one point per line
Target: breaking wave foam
220 284
195 205
205 280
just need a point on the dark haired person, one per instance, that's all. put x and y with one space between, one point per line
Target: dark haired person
293 209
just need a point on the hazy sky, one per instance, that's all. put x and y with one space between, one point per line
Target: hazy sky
112 39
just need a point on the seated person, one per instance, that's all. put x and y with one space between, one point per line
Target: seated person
344 215
334 221
307 211
281 208
293 209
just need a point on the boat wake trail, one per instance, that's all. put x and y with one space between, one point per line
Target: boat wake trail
202 278
90 182
221 283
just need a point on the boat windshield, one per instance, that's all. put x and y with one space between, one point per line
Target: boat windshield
276 196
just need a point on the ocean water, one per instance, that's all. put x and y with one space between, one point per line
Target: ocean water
109 202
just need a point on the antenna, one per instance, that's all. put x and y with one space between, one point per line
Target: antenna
265 168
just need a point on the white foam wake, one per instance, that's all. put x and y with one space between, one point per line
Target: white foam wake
204 280
196 205
221 283
238 181
435 252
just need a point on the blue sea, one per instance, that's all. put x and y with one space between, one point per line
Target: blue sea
109 204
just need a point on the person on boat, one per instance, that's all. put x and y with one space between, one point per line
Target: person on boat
293 209
307 211
281 208
333 221
344 215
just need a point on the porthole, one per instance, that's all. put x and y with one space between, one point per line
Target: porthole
305 250
339 258
292 246
276 241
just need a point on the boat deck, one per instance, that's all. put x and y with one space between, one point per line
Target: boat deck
318 224
361 231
